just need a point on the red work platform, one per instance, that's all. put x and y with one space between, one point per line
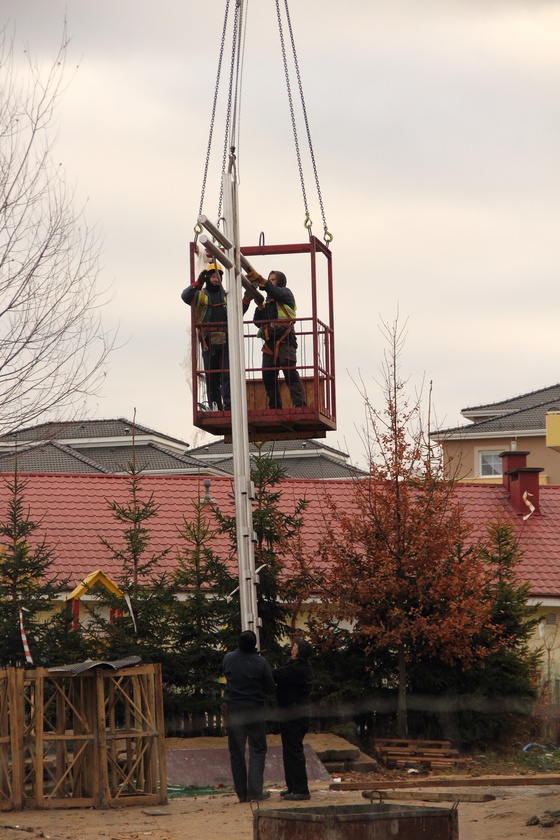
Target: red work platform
308 268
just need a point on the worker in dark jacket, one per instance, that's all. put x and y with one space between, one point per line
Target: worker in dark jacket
275 318
293 685
248 681
209 300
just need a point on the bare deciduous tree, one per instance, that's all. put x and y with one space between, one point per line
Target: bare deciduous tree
53 349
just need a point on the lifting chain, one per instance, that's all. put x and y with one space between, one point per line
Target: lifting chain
234 74
233 111
198 227
307 223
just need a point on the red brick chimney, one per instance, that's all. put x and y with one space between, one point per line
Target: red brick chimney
521 482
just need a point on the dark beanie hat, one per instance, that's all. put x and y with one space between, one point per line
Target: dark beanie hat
304 650
247 641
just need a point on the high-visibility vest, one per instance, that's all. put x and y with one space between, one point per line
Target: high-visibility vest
284 313
203 305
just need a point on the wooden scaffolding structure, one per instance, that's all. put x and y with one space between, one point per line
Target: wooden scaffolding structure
93 739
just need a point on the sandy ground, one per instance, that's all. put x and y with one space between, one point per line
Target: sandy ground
221 817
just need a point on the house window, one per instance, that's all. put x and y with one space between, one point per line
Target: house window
490 463
551 620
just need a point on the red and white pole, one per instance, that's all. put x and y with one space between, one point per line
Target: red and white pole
28 657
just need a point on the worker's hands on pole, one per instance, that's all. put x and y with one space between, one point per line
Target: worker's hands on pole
251 290
256 279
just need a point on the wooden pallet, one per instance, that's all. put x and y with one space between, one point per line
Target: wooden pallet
401 752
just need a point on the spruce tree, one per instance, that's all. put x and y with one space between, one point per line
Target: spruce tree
205 622
490 700
277 535
27 582
138 622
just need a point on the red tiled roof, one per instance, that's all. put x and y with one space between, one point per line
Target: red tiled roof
73 512
539 535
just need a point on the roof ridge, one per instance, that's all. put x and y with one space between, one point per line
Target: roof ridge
271 445
36 446
511 399
147 429
476 424
187 458
50 428
69 450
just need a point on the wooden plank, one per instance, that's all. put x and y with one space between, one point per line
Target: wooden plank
39 712
152 763
60 743
398 751
395 740
5 741
426 764
109 724
425 796
17 722
452 781
160 726
102 795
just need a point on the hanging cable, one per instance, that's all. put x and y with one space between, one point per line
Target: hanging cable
198 229
327 235
233 76
233 110
307 222
236 89
236 123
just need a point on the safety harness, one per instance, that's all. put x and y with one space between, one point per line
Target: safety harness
201 313
285 313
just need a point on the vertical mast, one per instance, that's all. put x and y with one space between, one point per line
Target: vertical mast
243 486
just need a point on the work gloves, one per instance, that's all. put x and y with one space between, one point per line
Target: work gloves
256 279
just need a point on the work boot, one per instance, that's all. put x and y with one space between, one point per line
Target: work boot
296 797
264 795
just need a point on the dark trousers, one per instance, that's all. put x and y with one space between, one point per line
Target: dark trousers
216 364
286 362
292 733
246 723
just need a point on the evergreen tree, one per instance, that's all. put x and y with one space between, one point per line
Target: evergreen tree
489 700
204 621
26 582
277 536
139 619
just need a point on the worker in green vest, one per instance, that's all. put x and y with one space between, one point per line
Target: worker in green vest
209 300
275 319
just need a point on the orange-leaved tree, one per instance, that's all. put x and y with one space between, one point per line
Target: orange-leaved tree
393 577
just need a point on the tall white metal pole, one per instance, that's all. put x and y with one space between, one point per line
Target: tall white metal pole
243 488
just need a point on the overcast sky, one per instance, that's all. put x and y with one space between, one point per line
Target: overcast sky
436 131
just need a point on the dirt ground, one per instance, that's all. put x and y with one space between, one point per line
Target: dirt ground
220 816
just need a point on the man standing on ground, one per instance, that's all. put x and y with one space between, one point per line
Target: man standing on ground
248 681
293 686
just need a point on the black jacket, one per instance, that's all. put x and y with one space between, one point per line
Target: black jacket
293 683
248 677
269 311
